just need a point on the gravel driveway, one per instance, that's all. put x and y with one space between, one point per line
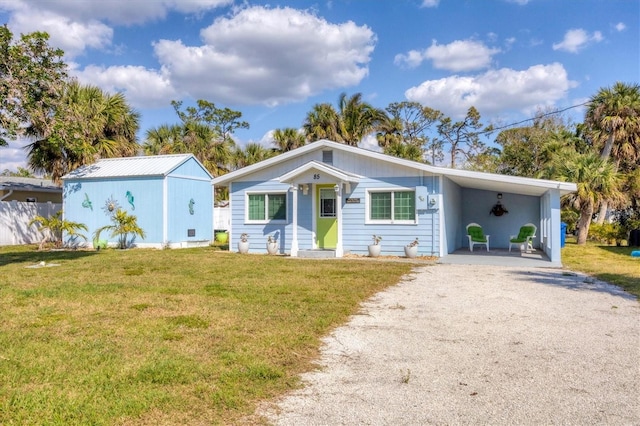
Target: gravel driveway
457 344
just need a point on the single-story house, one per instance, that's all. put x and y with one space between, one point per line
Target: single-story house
29 190
21 200
170 195
334 197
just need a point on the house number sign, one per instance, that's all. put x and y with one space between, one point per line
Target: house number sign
316 176
353 200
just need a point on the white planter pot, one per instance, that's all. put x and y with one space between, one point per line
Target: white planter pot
243 247
374 250
411 251
272 248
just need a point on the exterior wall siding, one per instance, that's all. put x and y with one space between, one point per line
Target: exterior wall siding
451 214
184 215
84 201
522 209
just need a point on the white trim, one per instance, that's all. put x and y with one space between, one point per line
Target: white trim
248 221
333 172
367 205
294 235
165 211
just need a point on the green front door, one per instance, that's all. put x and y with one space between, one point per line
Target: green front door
326 221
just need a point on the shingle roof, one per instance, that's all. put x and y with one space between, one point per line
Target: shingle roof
154 165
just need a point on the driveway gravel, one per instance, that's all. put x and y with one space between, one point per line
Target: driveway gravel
461 344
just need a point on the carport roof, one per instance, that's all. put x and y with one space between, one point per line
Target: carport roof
464 178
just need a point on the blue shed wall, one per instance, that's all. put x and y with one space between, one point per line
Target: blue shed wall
84 201
183 215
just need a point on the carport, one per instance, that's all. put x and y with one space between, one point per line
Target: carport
471 196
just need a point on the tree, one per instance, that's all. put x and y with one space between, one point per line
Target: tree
613 122
206 132
353 120
21 172
122 225
32 76
462 136
596 179
408 123
53 227
251 154
87 124
288 139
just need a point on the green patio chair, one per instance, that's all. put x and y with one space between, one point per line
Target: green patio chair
476 236
524 238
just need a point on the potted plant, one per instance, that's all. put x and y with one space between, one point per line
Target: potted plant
272 245
243 244
374 249
411 249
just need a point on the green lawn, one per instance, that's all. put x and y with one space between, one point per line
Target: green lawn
192 336
608 263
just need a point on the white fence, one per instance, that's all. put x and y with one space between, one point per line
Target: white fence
15 217
221 218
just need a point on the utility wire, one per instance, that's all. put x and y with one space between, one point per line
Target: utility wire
533 118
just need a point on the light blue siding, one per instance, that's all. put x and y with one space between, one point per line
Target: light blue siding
147 203
180 192
478 203
145 198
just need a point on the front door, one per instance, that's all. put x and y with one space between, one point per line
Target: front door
326 220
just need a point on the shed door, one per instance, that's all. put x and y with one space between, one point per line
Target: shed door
326 221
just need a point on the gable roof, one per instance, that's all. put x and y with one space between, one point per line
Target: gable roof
320 167
153 165
464 178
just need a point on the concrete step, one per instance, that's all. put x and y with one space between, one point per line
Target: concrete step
317 253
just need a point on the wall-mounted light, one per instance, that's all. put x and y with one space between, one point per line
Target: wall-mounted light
305 188
336 188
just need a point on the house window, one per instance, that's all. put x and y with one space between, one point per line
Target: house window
392 206
327 202
327 157
268 207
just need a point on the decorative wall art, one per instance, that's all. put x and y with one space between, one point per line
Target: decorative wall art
129 196
191 203
111 206
87 202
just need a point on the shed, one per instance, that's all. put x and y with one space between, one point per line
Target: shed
171 196
332 197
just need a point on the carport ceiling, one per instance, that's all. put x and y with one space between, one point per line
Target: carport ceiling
506 186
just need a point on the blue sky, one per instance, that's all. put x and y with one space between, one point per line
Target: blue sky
274 60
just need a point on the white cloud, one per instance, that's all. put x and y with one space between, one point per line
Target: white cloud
118 12
576 39
494 91
71 36
620 26
268 56
520 2
144 88
430 3
460 55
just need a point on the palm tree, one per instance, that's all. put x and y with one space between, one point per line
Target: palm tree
288 139
353 120
613 120
251 154
88 124
596 179
407 151
53 227
613 116
123 225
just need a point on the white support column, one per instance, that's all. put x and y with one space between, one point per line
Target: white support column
294 224
339 249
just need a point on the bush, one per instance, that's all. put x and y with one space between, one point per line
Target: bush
607 233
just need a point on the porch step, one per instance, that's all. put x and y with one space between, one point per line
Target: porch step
317 254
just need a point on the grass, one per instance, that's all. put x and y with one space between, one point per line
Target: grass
607 263
192 336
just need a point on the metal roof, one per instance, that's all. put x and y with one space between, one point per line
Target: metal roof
153 165
28 184
464 178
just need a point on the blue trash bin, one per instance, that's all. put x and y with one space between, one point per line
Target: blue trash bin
563 233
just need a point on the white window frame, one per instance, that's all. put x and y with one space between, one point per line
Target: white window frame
392 221
266 206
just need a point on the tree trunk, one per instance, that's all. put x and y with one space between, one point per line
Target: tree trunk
586 211
606 150
602 212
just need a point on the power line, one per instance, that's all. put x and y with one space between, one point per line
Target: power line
533 118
